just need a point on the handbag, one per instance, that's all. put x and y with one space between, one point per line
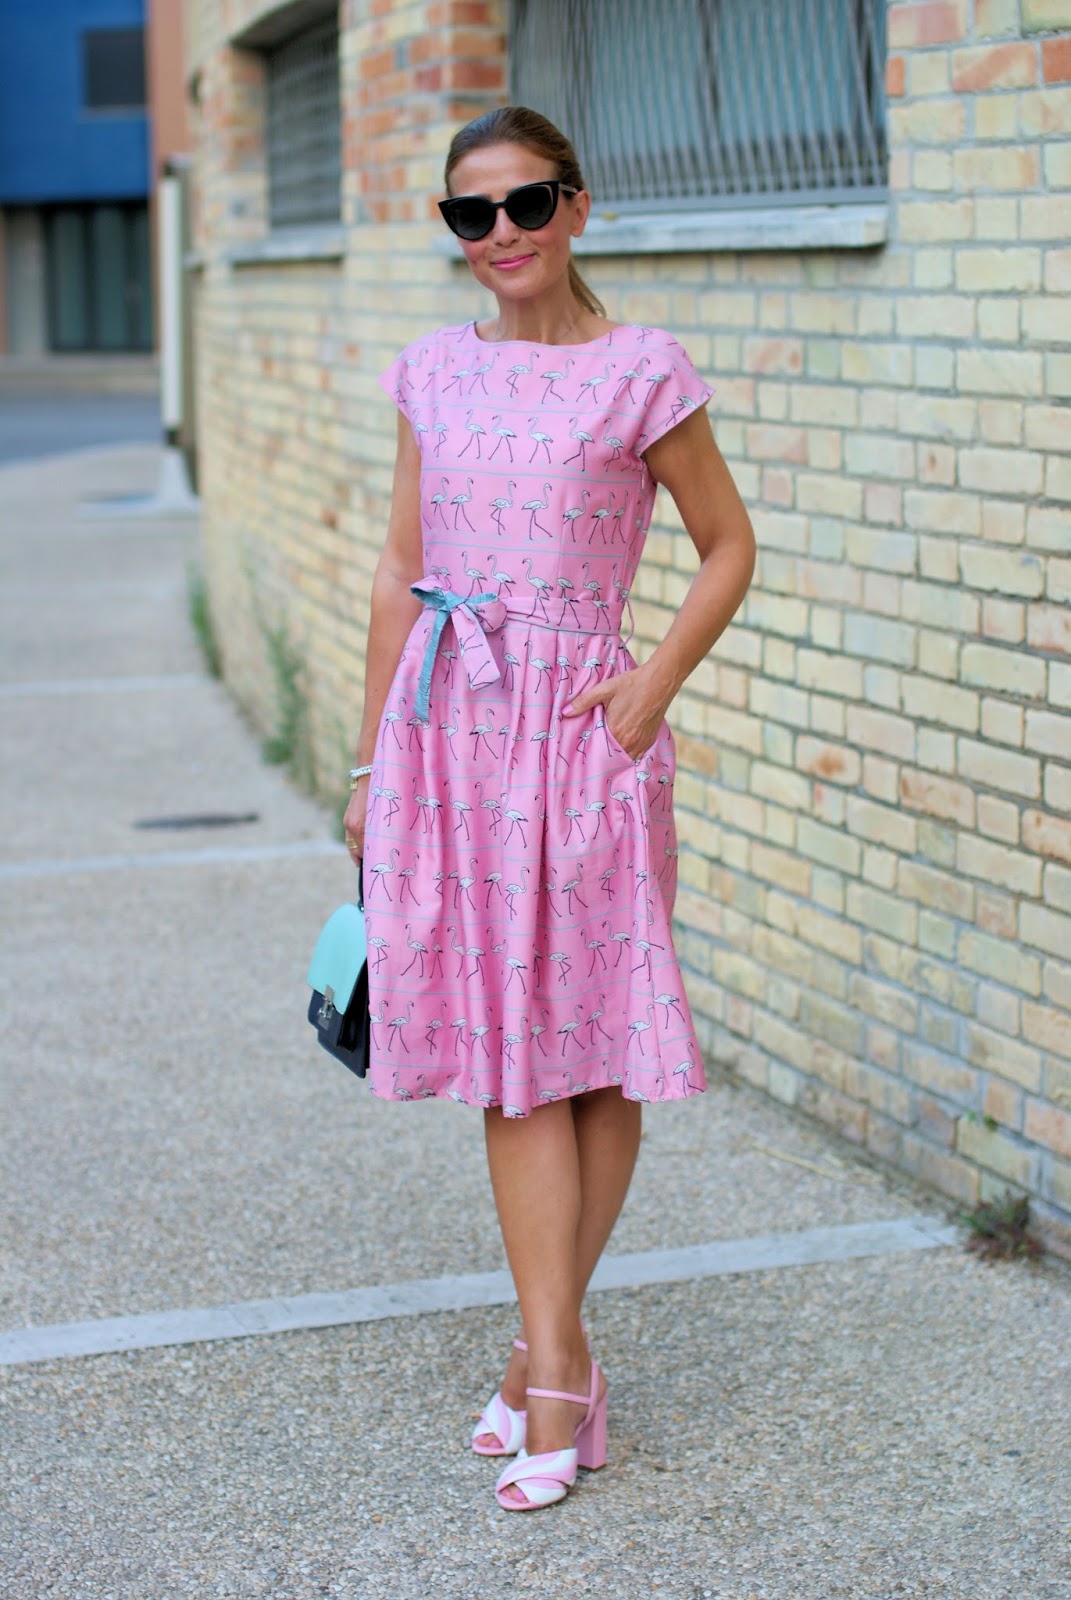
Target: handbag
338 977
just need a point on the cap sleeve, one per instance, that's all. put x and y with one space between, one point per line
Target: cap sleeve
397 380
678 391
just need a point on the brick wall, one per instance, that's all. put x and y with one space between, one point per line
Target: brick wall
874 797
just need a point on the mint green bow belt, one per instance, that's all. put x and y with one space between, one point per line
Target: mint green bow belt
476 615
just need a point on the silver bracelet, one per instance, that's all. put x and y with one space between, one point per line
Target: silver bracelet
358 772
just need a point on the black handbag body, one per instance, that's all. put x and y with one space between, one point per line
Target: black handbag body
338 977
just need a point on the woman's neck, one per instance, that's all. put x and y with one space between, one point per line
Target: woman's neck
562 320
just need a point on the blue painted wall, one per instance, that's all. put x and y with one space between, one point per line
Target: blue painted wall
51 146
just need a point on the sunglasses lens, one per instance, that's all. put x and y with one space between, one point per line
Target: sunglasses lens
531 206
470 218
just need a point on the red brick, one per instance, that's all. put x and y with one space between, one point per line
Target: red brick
928 22
1047 835
1056 60
467 12
773 355
1049 1126
838 763
895 77
939 797
768 442
376 64
1049 628
996 915
1002 66
475 74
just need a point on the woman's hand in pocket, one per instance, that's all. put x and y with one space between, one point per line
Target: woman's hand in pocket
634 709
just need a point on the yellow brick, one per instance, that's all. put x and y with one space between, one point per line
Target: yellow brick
932 169
934 221
1044 16
999 769
932 701
996 218
1002 721
1002 571
996 116
1001 421
994 17
1009 472
998 819
999 372
996 1152
998 321
994 863
1058 271
935 316
927 122
984 270
1058 478
979 168
1046 216
1044 112
996 1053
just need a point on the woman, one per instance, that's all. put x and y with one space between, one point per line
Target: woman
515 813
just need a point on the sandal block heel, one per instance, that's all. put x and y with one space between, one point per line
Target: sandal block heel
591 1440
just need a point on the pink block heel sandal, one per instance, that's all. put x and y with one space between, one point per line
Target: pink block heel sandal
546 1479
505 1425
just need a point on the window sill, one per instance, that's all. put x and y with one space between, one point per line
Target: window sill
859 226
319 243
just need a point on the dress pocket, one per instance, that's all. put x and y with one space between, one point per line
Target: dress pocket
619 750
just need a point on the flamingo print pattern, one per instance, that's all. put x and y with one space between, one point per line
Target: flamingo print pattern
525 846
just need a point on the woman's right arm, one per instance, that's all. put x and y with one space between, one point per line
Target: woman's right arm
393 613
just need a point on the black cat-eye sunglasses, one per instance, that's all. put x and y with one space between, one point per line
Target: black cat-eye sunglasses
472 216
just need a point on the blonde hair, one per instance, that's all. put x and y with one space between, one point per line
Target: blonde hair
519 125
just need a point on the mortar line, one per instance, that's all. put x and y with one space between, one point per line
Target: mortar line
210 855
39 687
465 1291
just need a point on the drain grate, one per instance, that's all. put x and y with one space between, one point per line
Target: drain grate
200 819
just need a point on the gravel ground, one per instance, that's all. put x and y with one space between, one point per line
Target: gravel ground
891 1427
876 1428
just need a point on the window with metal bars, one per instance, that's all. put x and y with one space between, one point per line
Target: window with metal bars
304 136
690 104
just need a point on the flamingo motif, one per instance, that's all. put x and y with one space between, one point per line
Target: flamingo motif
543 441
520 370
381 871
506 437
503 502
559 375
459 501
536 505
475 432
573 514
583 439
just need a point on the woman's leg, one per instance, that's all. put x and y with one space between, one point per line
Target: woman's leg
559 1177
608 1140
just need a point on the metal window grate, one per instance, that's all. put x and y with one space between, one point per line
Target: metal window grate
304 160
718 102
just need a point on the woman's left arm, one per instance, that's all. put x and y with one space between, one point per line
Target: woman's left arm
689 463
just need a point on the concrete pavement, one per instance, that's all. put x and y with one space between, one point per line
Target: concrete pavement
884 1425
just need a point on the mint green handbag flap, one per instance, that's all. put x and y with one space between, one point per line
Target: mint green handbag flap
341 952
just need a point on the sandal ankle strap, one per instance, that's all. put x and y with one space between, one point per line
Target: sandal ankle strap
558 1394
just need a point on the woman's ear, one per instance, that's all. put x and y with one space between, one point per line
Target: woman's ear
581 212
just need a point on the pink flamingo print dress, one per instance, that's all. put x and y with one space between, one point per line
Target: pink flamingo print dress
520 867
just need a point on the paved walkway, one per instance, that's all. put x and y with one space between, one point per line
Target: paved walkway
297 1294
